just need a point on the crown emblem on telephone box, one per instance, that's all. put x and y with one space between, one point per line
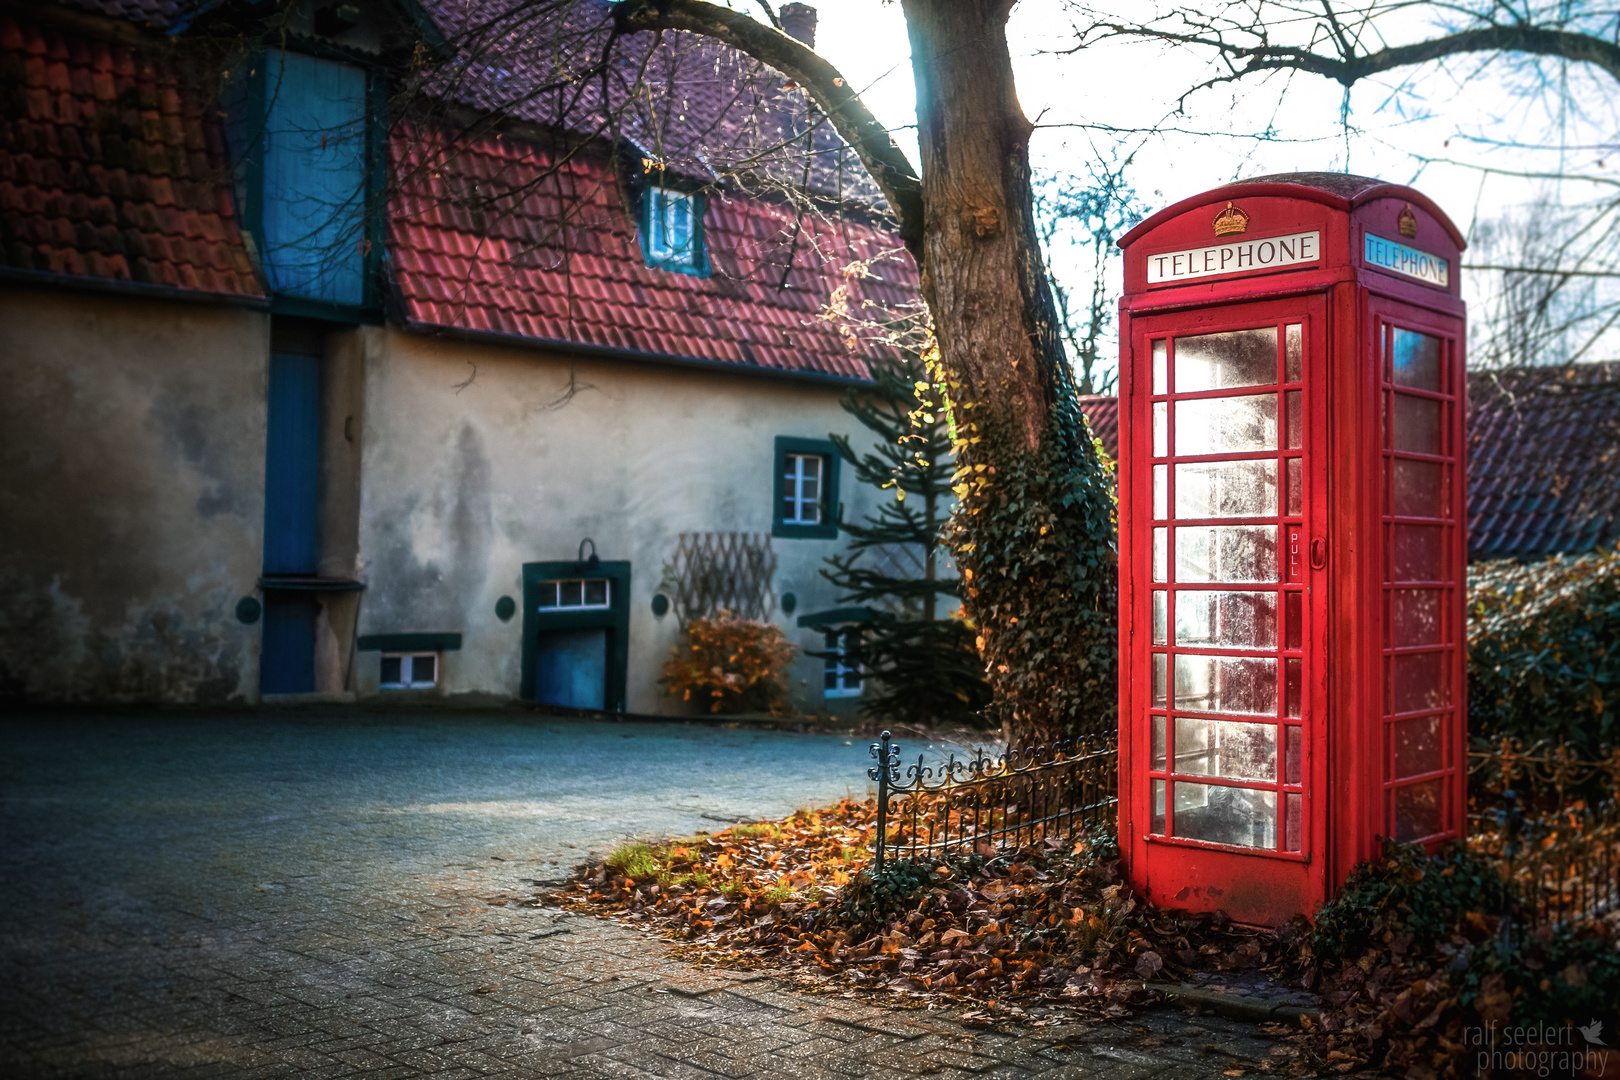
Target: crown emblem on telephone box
1234 219
1407 222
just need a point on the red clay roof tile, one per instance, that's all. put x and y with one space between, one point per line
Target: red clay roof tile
72 209
1544 460
613 298
1102 413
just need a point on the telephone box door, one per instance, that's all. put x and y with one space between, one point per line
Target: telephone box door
1224 522
1413 493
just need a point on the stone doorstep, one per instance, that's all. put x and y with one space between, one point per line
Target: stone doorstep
1269 1003
314 697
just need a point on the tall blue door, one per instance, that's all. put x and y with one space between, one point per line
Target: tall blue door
292 472
291 537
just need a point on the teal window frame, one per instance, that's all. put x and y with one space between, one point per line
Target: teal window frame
615 619
830 508
252 124
838 643
696 264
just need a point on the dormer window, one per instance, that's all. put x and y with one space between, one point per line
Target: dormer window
310 176
672 231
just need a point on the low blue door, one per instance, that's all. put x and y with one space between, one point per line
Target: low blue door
287 655
571 668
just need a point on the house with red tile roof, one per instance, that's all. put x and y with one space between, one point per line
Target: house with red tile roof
333 373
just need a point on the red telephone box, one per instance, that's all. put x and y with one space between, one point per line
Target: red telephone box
1292 554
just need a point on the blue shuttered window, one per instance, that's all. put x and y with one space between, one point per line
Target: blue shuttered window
292 466
672 231
312 178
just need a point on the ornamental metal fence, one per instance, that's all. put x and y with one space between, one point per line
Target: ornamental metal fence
1008 800
1547 816
1551 820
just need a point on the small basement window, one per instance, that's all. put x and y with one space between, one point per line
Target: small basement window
575 594
842 677
410 671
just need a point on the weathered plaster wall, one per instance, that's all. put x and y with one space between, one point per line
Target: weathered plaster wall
465 481
132 438
343 414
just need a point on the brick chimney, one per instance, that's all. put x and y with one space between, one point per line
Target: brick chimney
799 22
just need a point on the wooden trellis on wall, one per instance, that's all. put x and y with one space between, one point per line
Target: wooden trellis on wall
721 571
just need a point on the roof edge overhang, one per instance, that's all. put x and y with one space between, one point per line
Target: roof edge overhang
92 23
818 620
49 279
1248 189
751 185
588 351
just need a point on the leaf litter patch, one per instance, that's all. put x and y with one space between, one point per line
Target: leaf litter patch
1034 937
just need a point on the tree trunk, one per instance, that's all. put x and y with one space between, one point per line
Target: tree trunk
1031 531
931 556
981 268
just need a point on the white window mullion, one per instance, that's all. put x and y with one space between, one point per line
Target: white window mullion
671 227
803 495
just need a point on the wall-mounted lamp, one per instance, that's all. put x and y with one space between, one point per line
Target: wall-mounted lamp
591 563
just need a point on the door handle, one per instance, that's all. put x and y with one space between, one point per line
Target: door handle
1318 554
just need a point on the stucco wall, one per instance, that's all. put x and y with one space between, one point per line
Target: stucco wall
478 460
132 438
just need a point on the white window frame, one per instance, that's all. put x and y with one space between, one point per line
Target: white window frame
793 491
408 671
840 671
671 234
556 585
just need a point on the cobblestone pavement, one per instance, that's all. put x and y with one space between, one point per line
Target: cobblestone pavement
348 896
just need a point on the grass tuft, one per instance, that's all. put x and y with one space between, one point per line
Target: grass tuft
637 861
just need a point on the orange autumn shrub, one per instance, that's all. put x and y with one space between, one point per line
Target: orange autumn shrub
731 665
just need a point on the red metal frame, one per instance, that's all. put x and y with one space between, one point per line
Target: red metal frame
1344 629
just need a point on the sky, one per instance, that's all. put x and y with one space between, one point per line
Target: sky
1441 130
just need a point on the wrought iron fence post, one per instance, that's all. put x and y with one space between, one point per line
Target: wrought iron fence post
886 771
1512 825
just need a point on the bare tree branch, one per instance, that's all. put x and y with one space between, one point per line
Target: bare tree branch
850 117
1350 64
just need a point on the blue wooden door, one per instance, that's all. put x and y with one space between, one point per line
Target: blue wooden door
571 668
316 153
292 474
292 471
287 652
